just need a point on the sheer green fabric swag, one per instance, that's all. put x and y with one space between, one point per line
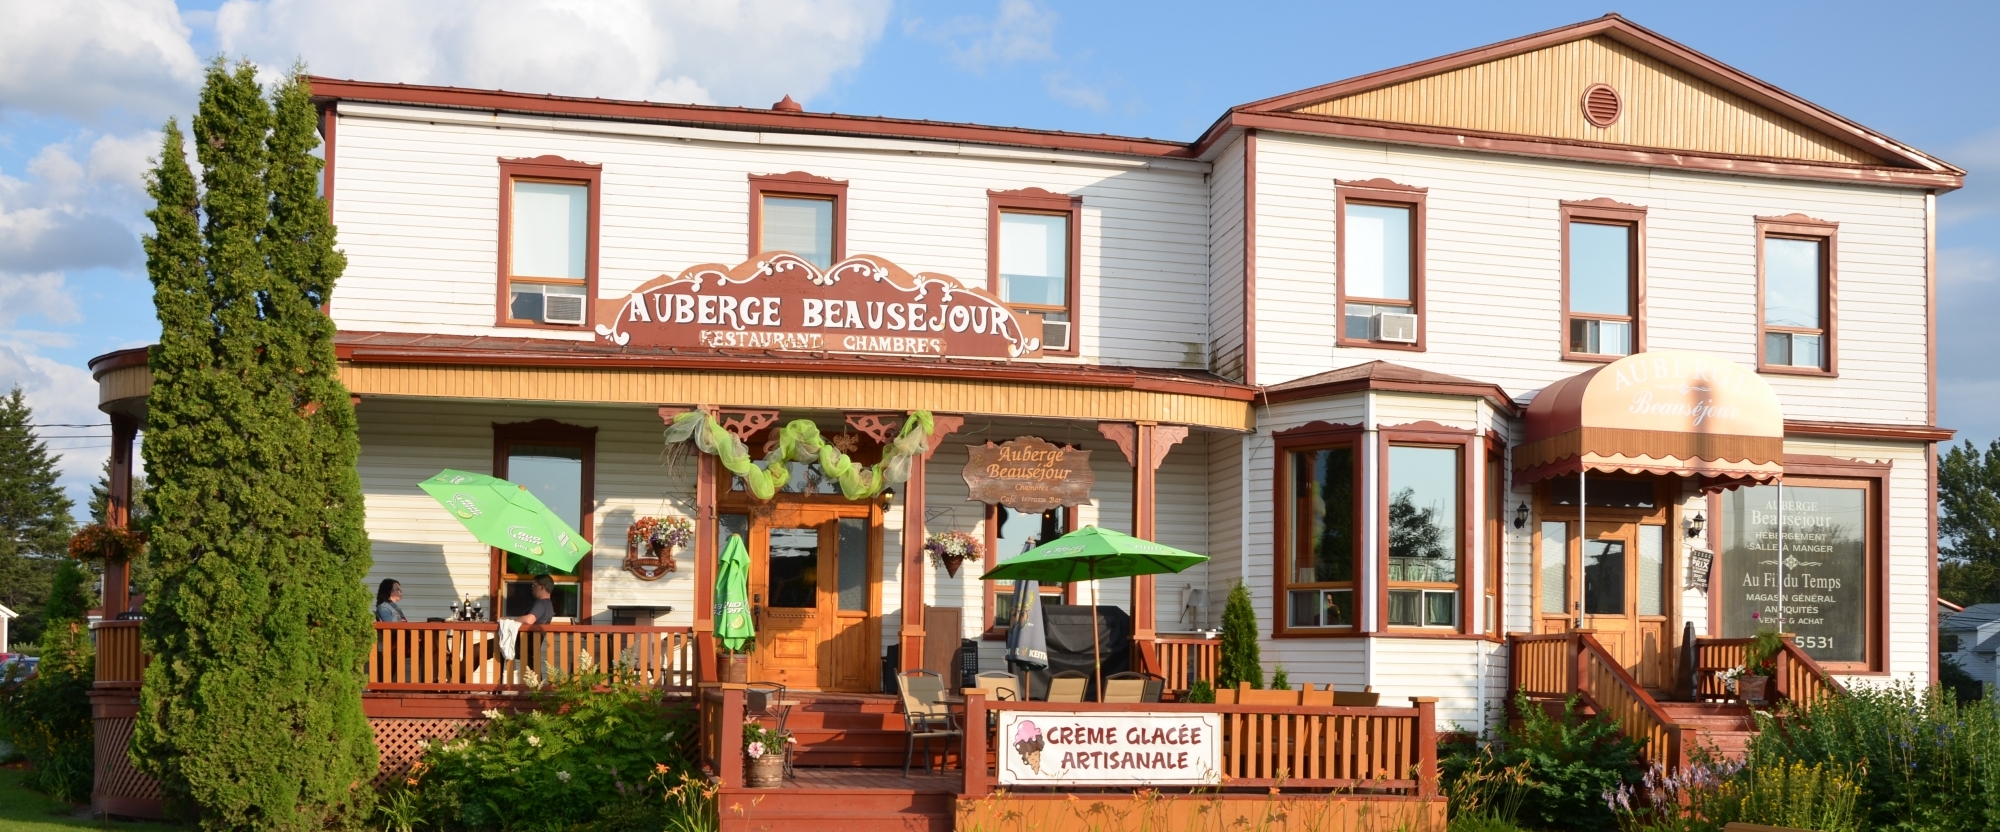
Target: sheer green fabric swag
800 441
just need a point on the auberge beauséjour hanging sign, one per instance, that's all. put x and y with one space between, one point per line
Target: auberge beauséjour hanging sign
779 302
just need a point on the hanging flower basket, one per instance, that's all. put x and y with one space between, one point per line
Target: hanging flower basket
952 548
650 545
99 541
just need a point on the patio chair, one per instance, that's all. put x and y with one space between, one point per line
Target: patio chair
1068 686
926 716
767 699
1367 698
997 686
1127 688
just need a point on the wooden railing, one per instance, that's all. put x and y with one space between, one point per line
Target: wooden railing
1561 664
120 661
1184 659
1389 750
1799 680
466 656
722 732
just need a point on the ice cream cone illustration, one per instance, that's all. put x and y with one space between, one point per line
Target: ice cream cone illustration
1028 743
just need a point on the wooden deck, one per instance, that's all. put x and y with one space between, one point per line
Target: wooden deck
809 778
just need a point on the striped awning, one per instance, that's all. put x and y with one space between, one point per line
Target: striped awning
1660 412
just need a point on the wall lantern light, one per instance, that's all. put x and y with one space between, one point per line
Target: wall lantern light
1696 524
889 495
1521 516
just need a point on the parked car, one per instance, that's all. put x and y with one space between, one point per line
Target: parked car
17 667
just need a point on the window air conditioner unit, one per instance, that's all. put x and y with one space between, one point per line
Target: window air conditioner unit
562 309
1400 327
1055 335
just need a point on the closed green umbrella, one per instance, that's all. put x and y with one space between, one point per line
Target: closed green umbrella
732 592
1088 554
508 517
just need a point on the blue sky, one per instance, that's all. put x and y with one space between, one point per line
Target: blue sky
85 84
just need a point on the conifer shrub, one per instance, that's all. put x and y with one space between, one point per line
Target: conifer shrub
47 716
1562 767
1242 661
256 616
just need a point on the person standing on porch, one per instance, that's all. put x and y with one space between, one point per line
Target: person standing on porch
388 598
543 611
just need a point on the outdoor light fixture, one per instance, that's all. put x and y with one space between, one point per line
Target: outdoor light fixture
889 494
1521 516
1696 523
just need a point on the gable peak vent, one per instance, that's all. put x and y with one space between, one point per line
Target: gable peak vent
1601 105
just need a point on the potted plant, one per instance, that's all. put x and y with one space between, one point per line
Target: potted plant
953 548
764 755
650 543
1760 662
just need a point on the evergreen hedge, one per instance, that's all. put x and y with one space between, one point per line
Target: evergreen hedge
256 617
1242 661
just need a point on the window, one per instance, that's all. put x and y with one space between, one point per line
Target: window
1424 535
1603 279
548 242
1496 535
1832 571
555 462
1034 260
1553 581
1323 538
1795 298
1379 257
799 213
1010 533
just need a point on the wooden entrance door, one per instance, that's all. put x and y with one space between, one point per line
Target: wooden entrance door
815 589
1614 577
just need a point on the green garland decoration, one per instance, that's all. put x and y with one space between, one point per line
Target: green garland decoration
800 441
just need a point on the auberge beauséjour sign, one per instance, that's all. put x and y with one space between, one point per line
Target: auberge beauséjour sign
778 302
1028 475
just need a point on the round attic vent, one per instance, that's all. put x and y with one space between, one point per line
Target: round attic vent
1601 105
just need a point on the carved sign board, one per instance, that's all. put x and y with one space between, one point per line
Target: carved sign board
778 302
1028 475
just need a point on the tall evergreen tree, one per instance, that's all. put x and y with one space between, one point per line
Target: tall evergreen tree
1968 494
34 517
255 612
1242 661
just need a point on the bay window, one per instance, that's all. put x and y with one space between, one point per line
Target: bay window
1424 535
1322 535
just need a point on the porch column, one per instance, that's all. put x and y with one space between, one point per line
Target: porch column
118 512
911 636
1145 445
706 550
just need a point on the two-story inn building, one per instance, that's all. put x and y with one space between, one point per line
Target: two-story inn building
1520 340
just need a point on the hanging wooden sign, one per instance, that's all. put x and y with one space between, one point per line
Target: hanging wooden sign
778 302
1028 475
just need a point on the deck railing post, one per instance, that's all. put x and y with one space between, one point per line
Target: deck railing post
729 742
974 748
1427 746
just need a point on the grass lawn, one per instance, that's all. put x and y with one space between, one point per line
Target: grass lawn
24 810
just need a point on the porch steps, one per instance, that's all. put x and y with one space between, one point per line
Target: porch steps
845 800
1724 729
836 730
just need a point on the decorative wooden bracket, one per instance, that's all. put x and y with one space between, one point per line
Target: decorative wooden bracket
883 427
1165 437
1126 435
740 422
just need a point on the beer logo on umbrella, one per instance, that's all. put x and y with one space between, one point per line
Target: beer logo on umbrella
521 534
465 508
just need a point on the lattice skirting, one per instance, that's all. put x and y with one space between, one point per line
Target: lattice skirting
116 776
402 740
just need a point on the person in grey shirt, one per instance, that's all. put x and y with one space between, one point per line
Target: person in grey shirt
543 611
387 596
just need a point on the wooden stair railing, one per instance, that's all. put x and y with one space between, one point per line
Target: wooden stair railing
1184 659
1558 665
1799 680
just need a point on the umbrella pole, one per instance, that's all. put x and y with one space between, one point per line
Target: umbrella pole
1096 646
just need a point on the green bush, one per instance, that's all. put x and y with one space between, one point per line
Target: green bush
1561 768
1924 761
1241 660
600 752
1279 680
1709 794
1201 692
47 718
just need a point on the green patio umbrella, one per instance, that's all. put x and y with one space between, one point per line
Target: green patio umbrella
1088 554
733 626
507 516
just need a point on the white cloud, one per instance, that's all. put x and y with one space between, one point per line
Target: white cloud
730 51
41 294
1067 90
60 394
1021 31
71 214
79 59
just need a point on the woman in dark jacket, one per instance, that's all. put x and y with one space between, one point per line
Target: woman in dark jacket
386 608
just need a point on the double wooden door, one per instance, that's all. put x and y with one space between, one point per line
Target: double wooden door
1614 577
815 594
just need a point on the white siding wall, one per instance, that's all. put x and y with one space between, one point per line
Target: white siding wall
1494 260
417 202
1225 262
